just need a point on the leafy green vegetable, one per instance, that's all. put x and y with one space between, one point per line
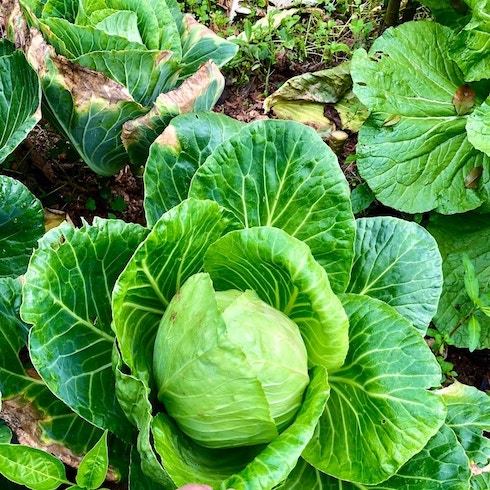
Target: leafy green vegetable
21 225
420 162
105 63
20 98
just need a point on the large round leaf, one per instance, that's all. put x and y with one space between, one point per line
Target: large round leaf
21 225
281 174
67 298
413 151
441 465
456 236
399 263
380 412
283 272
176 155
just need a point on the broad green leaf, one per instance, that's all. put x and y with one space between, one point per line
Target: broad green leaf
20 98
380 412
199 92
478 127
23 393
284 274
91 121
93 468
399 263
456 236
468 415
441 465
469 49
281 174
420 163
172 252
21 225
67 298
33 468
176 155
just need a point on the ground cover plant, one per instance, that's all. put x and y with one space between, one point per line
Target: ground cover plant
249 237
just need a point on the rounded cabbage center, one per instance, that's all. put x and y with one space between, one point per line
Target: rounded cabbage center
230 369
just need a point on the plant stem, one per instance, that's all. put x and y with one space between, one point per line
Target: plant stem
392 14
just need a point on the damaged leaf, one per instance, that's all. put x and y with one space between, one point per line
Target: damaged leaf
471 180
464 99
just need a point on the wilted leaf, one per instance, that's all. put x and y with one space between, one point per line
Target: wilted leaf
471 180
464 99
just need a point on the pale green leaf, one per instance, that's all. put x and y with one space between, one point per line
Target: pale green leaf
399 263
93 468
281 174
31 467
478 127
380 412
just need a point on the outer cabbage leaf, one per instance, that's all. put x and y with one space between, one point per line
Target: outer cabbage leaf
20 98
199 92
468 415
284 274
480 482
413 151
21 225
66 297
470 49
36 410
77 100
441 465
380 412
399 263
176 155
281 174
455 236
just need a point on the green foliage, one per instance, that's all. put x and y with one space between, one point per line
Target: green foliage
106 64
20 98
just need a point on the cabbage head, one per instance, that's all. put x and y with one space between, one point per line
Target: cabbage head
244 362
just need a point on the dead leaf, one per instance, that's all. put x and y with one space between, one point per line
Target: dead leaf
464 99
471 180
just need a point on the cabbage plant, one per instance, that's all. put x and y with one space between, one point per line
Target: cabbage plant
255 334
114 73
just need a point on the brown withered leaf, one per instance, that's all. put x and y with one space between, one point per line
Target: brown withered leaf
471 180
464 99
